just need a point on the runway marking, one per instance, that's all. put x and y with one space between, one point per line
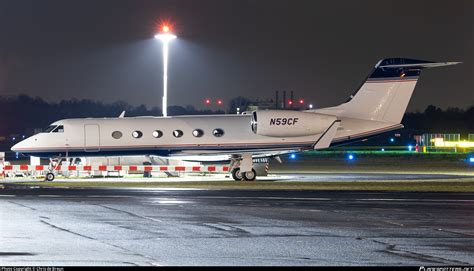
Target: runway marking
8 196
275 198
170 202
394 223
161 189
50 196
422 200
328 199
109 196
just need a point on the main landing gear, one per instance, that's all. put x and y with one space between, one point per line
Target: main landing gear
247 176
241 168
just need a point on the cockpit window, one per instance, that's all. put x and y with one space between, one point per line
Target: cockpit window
50 128
59 129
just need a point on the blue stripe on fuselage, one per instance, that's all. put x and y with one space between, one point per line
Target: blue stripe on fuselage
158 152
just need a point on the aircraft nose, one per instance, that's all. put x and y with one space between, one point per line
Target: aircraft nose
16 147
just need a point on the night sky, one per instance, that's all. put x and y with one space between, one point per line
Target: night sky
322 50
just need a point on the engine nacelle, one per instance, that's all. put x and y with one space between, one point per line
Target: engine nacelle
287 123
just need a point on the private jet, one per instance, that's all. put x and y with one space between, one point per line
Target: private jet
376 107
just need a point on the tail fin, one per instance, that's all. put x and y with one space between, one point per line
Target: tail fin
385 94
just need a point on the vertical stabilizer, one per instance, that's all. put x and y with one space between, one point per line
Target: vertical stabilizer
385 94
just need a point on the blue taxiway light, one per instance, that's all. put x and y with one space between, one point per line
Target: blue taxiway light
410 147
471 160
293 156
392 139
350 157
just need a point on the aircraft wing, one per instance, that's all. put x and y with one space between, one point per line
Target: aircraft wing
323 142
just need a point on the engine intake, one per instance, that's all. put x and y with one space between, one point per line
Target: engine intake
287 123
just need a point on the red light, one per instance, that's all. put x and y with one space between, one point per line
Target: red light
290 102
207 101
301 101
219 102
165 26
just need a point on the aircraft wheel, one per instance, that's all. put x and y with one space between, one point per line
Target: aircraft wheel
236 174
250 175
49 177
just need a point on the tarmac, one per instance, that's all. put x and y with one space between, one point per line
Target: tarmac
284 177
176 227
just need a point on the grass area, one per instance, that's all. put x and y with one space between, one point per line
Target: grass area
389 169
453 185
364 162
376 151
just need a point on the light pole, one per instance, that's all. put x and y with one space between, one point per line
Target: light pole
165 36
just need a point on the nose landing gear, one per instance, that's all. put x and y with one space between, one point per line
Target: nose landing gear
49 177
54 164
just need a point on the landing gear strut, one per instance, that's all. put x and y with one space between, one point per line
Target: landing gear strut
239 164
54 163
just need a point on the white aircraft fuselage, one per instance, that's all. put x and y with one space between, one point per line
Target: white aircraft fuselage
93 137
377 107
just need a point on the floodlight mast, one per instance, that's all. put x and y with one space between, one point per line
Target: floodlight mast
165 37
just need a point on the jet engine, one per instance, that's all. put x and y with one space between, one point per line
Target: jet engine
287 123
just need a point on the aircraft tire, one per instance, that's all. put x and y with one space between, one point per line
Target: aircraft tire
49 177
236 174
250 175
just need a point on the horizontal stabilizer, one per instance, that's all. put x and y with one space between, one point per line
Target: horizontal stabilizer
420 65
326 138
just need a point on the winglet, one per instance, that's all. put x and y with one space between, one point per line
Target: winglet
122 115
326 138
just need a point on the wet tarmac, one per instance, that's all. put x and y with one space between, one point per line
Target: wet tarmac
355 177
281 177
58 226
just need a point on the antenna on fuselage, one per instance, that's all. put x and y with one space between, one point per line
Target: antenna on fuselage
122 115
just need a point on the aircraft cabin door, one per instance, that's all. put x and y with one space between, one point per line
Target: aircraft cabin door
91 138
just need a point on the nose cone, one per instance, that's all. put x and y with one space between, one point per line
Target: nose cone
22 146
16 147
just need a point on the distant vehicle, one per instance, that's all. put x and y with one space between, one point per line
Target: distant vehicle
376 107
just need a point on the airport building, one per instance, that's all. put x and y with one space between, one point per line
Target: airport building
290 102
446 142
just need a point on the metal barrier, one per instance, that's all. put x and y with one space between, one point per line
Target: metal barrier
100 170
155 168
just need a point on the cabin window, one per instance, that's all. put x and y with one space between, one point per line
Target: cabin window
157 134
137 134
198 133
117 134
177 133
59 129
50 128
218 132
